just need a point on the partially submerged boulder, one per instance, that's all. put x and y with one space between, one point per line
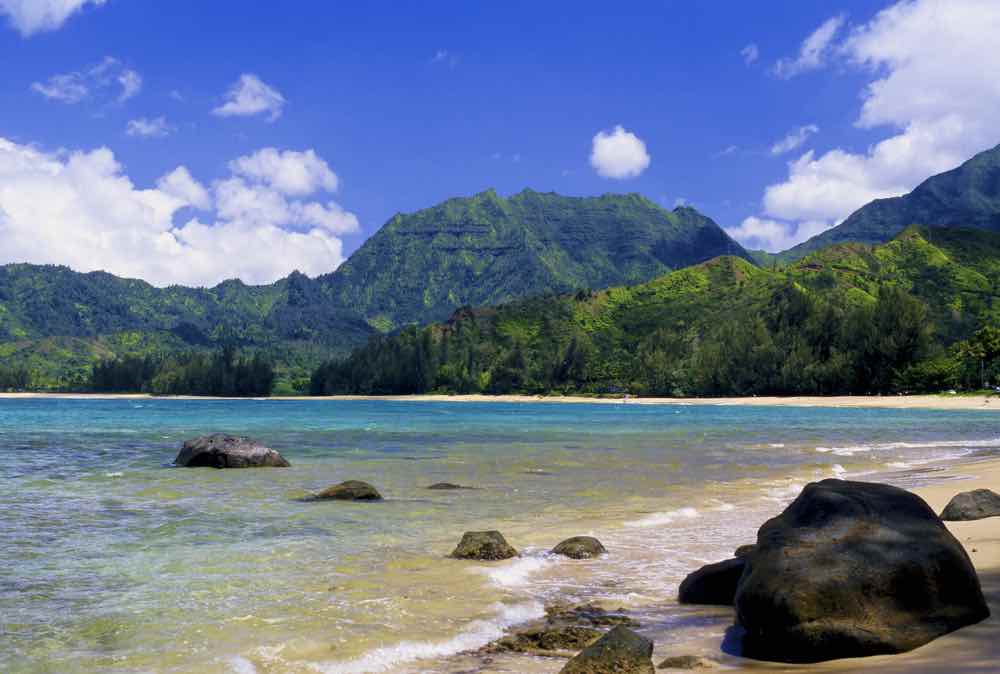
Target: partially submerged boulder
220 450
579 547
713 584
545 639
351 490
484 545
588 614
620 651
686 662
972 505
853 569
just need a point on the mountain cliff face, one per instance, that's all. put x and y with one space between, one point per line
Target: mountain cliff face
967 196
487 249
418 268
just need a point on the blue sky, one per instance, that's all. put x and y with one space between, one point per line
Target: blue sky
406 104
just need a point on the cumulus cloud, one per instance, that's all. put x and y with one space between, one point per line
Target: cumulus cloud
143 127
794 139
251 96
80 209
618 154
289 171
105 81
750 53
813 52
37 16
773 235
933 87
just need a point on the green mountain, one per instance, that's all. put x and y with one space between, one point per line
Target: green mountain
967 196
420 267
487 249
849 318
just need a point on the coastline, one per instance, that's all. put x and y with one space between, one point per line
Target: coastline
930 401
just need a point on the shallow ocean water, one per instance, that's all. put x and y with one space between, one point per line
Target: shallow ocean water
113 560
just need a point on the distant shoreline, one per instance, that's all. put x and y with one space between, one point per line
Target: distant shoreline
938 401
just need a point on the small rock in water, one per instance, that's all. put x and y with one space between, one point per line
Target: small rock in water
588 614
686 662
620 651
714 584
972 505
227 451
545 639
579 547
484 545
447 486
352 490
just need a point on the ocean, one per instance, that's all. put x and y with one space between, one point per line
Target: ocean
113 560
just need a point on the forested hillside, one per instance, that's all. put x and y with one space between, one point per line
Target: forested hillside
901 316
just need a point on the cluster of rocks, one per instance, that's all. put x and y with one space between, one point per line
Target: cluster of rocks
849 569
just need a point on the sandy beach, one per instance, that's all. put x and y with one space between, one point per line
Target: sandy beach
938 401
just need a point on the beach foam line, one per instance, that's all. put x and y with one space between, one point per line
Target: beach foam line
659 519
850 450
477 634
516 572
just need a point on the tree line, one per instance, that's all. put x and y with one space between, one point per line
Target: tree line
223 373
797 342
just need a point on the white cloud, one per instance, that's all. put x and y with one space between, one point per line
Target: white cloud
131 82
251 96
143 127
618 154
794 140
36 16
100 82
290 172
182 186
750 53
726 151
445 57
772 235
81 210
934 88
813 52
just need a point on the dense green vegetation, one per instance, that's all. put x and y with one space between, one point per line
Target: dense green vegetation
56 323
224 373
967 196
902 316
486 249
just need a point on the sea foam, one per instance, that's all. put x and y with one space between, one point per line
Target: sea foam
478 633
659 519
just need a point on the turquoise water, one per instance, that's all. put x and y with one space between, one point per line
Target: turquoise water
113 560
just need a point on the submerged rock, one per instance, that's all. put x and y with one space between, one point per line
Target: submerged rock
620 651
852 569
587 614
352 490
484 545
686 662
228 451
546 639
972 505
446 486
579 547
714 584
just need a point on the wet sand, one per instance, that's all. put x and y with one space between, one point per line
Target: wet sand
973 649
936 401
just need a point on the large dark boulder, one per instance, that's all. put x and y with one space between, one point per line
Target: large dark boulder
972 505
351 490
853 569
227 451
484 545
714 584
579 547
620 651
